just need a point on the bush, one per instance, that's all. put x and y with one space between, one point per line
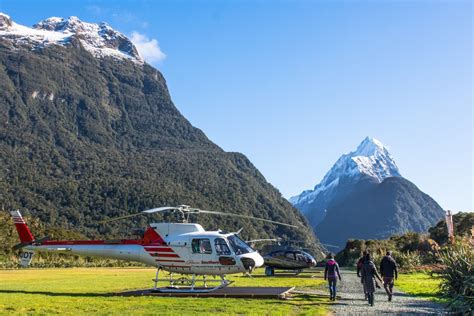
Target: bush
463 223
457 274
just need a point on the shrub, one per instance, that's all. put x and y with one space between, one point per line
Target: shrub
457 274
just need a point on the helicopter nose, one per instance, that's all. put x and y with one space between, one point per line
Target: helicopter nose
248 263
252 260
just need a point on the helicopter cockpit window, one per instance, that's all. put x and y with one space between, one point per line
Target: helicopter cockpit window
202 245
278 254
238 245
300 257
221 247
290 255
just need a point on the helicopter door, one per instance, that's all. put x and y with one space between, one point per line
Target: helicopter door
223 252
201 250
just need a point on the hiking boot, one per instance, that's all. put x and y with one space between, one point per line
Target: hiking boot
390 298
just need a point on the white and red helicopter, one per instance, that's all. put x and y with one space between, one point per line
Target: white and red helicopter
184 248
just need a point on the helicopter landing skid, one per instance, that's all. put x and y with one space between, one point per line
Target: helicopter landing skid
188 285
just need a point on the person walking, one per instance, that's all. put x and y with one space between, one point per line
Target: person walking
388 270
360 262
368 275
332 273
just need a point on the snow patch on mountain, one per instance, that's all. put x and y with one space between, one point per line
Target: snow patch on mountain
371 158
99 39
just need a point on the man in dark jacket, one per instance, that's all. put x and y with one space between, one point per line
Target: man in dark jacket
388 269
360 262
332 273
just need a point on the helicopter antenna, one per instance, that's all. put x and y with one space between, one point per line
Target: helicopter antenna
186 210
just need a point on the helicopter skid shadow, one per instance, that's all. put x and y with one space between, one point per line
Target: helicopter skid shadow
287 275
57 293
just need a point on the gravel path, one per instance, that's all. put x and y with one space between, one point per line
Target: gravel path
350 300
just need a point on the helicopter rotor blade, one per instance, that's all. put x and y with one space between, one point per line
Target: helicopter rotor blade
244 216
187 209
160 209
263 239
150 211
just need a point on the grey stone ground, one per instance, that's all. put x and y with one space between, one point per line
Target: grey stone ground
350 301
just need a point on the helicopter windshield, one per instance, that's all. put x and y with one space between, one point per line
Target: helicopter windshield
238 245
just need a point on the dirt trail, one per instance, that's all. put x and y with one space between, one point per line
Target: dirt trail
351 301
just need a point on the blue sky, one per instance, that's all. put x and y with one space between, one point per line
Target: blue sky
295 84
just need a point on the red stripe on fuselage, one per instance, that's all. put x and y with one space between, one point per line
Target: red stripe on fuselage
163 260
150 239
164 255
93 242
159 249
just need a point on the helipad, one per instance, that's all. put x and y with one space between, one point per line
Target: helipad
228 292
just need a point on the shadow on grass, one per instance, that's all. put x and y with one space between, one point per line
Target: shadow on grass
57 294
423 295
288 275
305 300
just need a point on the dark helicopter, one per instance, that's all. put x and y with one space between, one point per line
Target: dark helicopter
284 256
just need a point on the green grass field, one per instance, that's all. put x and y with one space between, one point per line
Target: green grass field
420 284
83 291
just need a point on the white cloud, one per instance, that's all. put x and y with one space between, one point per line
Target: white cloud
94 9
149 49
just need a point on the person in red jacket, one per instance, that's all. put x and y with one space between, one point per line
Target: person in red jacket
332 273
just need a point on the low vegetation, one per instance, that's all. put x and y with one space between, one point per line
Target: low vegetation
413 251
422 284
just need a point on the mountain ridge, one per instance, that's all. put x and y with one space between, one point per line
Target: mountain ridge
371 213
99 39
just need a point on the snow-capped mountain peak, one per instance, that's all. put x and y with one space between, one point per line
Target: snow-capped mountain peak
365 184
99 39
369 146
373 159
370 159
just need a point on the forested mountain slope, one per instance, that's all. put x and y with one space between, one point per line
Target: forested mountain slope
85 137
